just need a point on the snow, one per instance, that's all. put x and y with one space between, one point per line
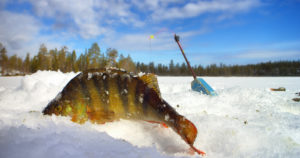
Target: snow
246 119
90 75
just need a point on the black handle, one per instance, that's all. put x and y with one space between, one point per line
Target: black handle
176 37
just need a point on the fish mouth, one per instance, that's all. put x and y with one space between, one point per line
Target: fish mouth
46 111
50 108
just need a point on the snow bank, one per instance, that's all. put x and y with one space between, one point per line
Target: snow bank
246 119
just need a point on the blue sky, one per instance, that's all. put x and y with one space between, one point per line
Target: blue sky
211 31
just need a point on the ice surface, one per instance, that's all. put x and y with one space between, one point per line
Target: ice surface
246 119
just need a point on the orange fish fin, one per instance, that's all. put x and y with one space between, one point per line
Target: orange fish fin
164 125
161 123
193 149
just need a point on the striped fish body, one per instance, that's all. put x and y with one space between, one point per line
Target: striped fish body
104 95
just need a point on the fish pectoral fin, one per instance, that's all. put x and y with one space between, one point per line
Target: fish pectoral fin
101 117
161 123
193 149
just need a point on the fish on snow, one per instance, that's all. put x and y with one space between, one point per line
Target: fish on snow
105 95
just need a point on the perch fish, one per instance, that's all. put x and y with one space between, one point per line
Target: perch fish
105 95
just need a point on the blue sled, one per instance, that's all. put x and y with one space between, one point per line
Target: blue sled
200 85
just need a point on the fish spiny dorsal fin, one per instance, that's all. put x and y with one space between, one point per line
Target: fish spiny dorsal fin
151 81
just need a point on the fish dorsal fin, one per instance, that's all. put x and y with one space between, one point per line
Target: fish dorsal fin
151 81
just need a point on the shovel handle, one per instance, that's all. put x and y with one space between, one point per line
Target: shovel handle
176 37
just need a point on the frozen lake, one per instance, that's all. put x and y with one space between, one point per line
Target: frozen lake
246 119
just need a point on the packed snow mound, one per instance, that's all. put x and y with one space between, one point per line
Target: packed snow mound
246 119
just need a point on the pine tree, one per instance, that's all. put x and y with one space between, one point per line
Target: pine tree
81 62
138 66
126 63
62 58
54 59
144 67
152 67
12 63
68 66
73 62
34 64
171 67
27 64
19 66
112 54
3 59
86 62
160 70
43 58
94 56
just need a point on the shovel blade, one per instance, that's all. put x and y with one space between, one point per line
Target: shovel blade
200 85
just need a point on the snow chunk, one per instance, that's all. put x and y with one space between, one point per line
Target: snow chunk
90 75
2 89
124 91
167 117
97 73
141 98
141 74
272 118
114 75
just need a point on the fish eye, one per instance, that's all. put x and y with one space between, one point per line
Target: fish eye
58 108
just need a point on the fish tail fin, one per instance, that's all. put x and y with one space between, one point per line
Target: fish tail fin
187 130
198 151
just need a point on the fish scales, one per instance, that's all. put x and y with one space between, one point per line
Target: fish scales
133 106
115 102
104 95
96 106
139 96
122 87
99 86
76 99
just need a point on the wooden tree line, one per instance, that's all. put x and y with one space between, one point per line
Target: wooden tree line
279 68
66 61
63 60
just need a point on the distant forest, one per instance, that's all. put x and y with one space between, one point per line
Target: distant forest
66 61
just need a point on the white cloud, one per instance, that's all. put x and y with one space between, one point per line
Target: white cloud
196 8
16 30
92 18
139 42
88 17
77 12
20 33
162 41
